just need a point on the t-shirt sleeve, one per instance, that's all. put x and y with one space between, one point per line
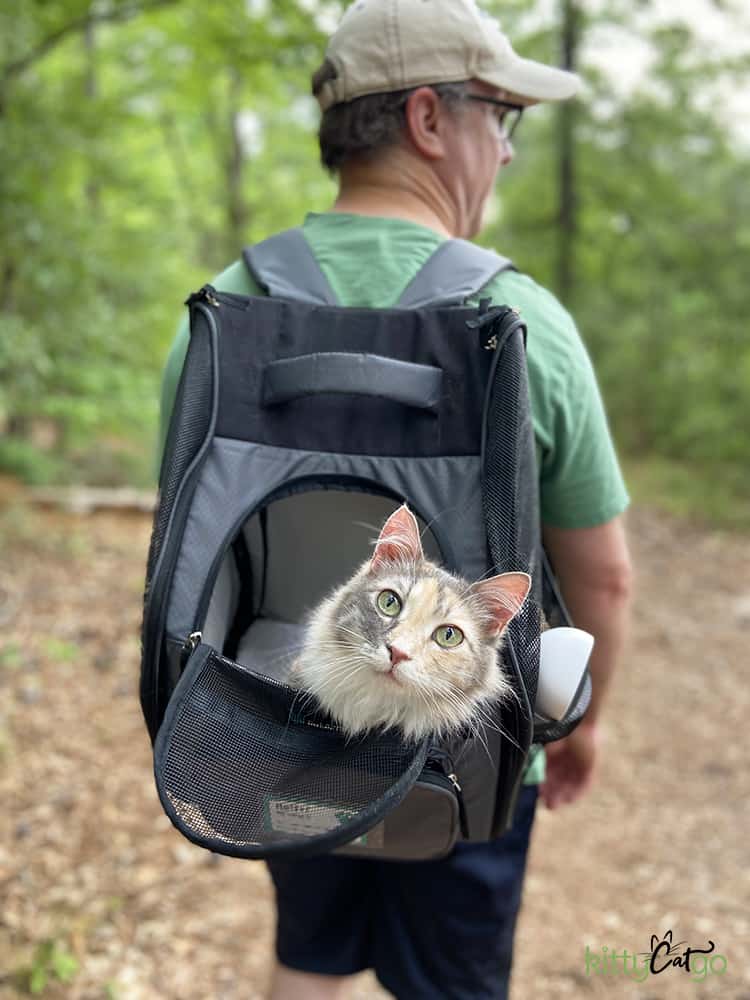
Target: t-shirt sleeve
581 484
171 378
580 481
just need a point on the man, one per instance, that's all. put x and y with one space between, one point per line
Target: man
419 98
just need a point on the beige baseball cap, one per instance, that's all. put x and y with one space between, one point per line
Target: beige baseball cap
388 45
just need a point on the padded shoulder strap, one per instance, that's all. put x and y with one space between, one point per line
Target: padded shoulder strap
457 270
285 268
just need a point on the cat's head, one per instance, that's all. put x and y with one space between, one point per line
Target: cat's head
407 644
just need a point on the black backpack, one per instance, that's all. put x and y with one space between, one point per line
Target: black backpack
298 427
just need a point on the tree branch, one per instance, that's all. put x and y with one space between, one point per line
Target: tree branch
124 13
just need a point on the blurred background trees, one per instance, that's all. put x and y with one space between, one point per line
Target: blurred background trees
143 142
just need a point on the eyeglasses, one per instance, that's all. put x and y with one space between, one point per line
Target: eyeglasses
507 115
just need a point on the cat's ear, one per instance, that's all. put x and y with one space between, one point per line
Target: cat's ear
502 597
399 540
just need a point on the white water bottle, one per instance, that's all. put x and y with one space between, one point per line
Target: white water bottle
563 656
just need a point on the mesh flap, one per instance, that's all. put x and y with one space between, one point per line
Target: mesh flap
244 767
547 730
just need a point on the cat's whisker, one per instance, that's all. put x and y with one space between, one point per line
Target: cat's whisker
304 699
288 654
471 583
480 737
448 696
462 508
366 524
497 728
348 631
342 676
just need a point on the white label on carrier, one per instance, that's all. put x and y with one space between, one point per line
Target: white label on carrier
309 819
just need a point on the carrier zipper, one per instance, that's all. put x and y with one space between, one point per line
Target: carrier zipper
156 611
501 320
205 294
445 769
213 297
189 646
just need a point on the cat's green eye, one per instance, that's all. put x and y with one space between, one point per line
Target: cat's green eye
389 603
448 636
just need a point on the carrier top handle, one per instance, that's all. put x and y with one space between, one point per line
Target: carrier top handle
360 374
285 267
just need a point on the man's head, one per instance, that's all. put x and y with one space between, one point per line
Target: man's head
428 89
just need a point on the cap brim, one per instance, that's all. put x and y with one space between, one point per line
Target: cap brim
534 80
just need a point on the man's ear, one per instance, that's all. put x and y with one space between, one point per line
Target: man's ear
425 115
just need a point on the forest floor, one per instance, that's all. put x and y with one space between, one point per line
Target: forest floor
101 898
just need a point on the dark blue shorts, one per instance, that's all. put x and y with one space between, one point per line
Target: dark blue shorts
431 930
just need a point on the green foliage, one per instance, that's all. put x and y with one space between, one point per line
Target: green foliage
119 194
141 152
51 962
716 495
11 656
59 650
660 293
36 466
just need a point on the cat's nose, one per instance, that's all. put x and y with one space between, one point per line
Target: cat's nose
397 655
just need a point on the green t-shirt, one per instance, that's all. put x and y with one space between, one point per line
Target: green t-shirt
369 261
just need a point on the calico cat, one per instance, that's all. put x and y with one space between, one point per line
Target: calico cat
404 644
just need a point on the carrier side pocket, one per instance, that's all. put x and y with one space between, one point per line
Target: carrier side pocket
425 826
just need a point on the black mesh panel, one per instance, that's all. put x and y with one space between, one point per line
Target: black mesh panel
245 768
192 415
510 492
546 731
191 418
511 504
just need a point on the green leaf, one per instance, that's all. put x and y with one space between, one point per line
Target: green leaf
64 965
38 979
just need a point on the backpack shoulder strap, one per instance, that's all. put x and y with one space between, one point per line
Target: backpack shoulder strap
284 266
456 271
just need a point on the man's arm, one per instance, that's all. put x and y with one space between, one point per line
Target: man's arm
595 574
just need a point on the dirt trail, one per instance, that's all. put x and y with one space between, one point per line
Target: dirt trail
89 861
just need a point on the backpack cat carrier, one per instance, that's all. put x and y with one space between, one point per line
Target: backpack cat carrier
298 427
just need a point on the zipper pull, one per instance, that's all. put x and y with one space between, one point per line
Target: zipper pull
206 294
192 641
463 819
497 320
492 317
189 647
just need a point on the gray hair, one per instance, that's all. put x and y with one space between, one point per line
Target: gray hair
364 127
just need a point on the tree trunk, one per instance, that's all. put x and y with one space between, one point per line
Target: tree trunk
91 91
567 207
237 211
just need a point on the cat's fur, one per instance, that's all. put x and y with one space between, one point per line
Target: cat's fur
370 671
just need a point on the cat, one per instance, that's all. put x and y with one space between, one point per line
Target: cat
406 645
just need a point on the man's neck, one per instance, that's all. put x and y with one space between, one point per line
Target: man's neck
395 194
367 201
